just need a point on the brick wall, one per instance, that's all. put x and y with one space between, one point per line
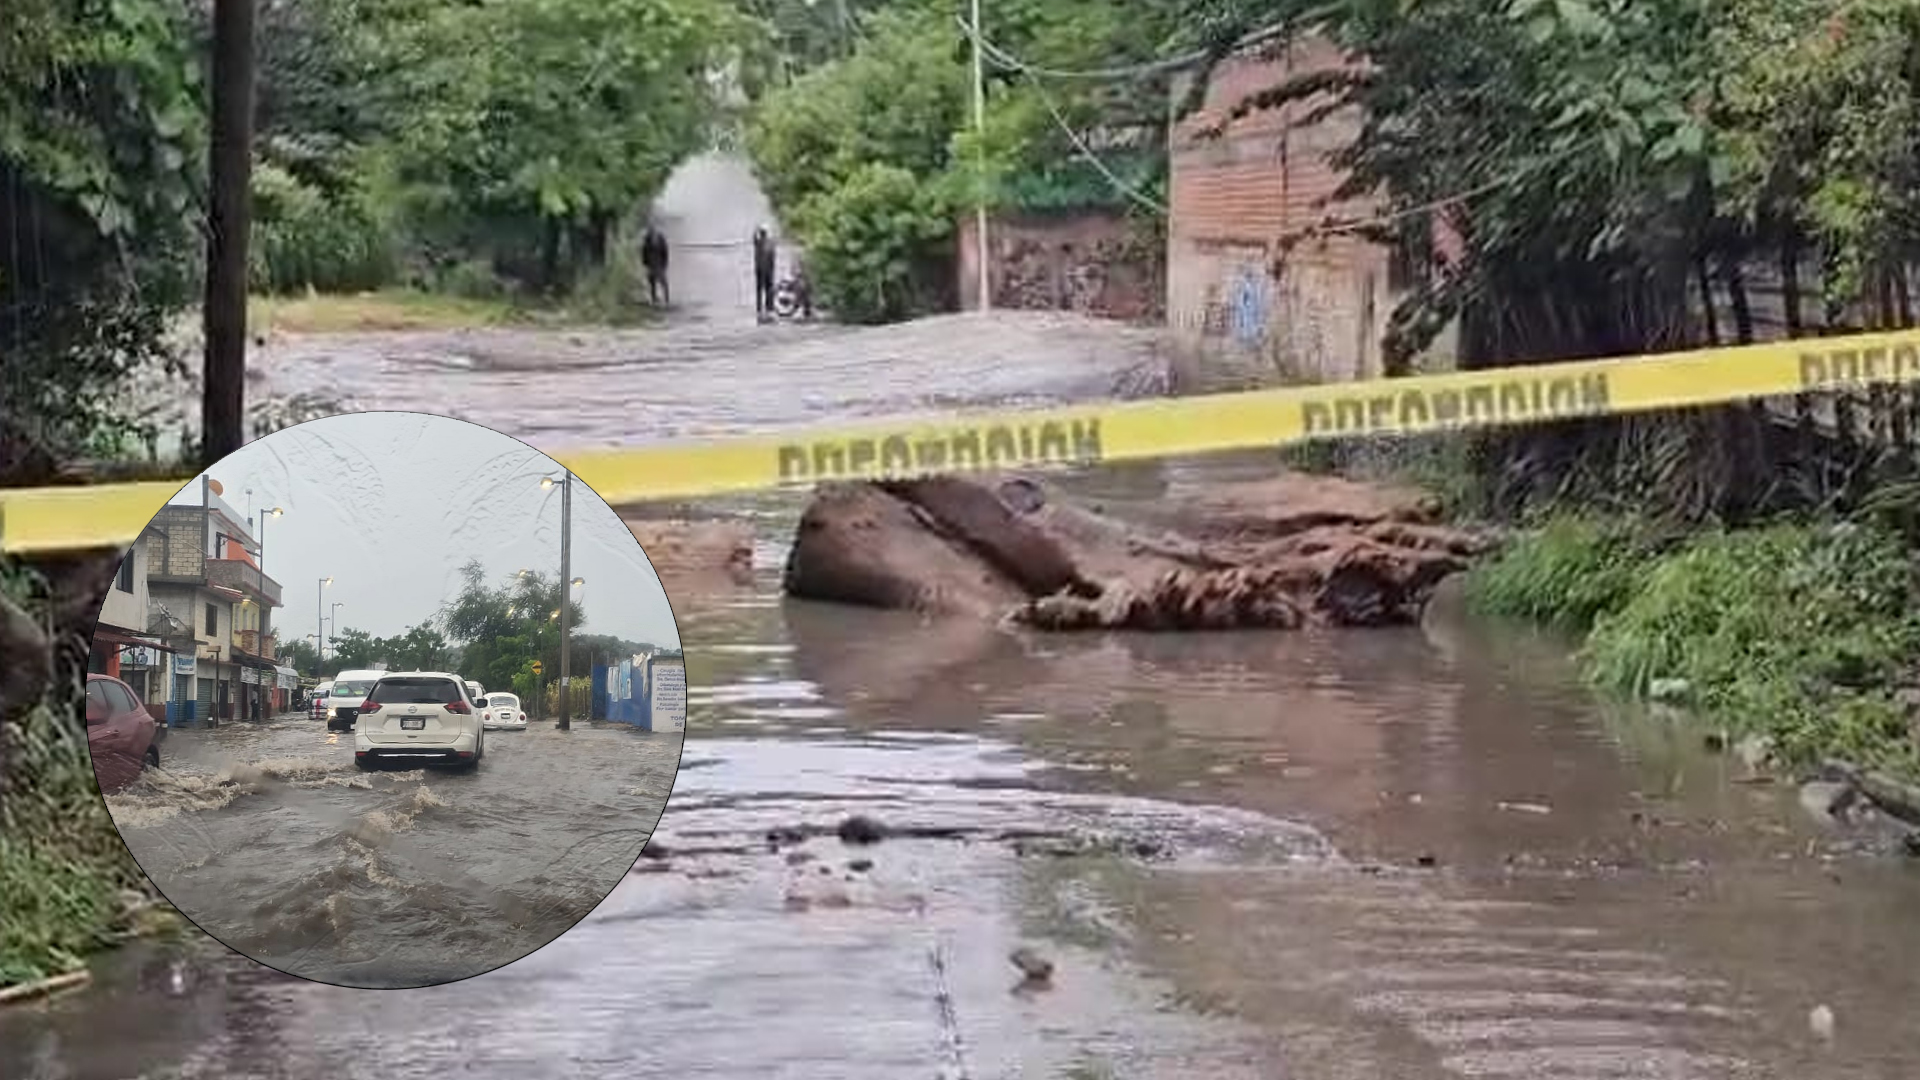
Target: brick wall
1316 311
1089 262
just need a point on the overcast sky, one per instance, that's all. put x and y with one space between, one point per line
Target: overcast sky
391 504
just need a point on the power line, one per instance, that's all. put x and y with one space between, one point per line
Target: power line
1001 57
1130 71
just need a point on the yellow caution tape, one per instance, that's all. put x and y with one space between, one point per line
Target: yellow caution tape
111 515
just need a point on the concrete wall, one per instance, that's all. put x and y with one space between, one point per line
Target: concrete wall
1315 312
1089 262
128 609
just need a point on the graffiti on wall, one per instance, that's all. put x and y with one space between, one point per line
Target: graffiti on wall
1238 306
1247 311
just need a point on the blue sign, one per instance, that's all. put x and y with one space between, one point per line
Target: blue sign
183 663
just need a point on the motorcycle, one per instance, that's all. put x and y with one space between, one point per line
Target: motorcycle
790 298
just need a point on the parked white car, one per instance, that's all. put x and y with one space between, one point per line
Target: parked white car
503 713
344 696
418 716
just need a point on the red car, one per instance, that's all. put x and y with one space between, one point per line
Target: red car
122 737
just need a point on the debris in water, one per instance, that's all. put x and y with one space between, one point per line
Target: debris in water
1668 689
1526 807
654 850
860 866
1035 969
1911 842
860 829
1821 1021
1427 860
795 858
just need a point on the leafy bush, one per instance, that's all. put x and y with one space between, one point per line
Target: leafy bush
855 158
869 243
304 239
101 151
61 859
1797 631
1568 575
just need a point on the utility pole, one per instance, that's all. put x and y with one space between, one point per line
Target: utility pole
566 586
984 273
230 164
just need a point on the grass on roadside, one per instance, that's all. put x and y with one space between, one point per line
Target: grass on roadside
602 301
1802 632
63 865
373 312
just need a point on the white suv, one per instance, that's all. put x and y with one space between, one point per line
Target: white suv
417 716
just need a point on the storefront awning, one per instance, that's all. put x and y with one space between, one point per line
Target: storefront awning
113 635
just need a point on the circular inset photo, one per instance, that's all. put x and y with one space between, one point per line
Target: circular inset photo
386 700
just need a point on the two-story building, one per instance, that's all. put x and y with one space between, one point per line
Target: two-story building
203 567
133 641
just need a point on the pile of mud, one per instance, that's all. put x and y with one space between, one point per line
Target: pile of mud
1283 553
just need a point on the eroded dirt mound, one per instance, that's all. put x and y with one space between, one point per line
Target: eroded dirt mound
1275 554
690 555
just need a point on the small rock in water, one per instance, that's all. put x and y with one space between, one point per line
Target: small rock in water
1034 968
860 829
1820 1020
1829 800
860 866
1755 752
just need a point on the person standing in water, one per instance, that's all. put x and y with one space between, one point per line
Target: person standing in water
763 264
653 255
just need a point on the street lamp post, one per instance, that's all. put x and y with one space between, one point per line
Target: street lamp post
264 515
566 576
266 610
320 615
333 617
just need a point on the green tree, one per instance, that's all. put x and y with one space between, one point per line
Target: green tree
855 155
870 156
504 629
302 657
1609 165
353 649
540 124
420 648
102 138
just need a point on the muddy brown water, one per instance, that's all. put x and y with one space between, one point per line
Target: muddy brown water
1401 854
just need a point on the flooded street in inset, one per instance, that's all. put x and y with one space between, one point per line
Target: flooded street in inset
289 852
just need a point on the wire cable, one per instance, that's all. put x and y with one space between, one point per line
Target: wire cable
1086 153
1129 71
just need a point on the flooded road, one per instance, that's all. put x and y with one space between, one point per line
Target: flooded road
290 853
1367 855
